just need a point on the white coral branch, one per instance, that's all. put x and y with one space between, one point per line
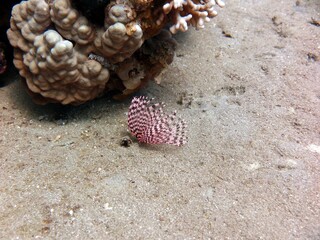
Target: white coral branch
185 12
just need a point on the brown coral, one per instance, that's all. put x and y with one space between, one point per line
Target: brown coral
66 58
3 60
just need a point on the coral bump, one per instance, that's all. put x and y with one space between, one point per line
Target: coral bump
150 124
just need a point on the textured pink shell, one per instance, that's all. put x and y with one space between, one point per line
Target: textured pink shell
149 124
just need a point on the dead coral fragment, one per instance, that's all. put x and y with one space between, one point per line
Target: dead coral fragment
315 22
149 124
125 142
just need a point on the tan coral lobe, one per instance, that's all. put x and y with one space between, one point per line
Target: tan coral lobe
70 58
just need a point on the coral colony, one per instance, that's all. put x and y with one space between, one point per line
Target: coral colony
149 124
72 51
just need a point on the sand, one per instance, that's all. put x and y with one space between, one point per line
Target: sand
248 87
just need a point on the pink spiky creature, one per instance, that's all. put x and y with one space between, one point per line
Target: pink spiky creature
149 124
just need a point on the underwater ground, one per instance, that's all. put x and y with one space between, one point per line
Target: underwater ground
248 86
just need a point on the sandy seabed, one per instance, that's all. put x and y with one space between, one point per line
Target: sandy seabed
249 87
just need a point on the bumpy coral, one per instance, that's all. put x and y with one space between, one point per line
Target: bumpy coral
68 58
